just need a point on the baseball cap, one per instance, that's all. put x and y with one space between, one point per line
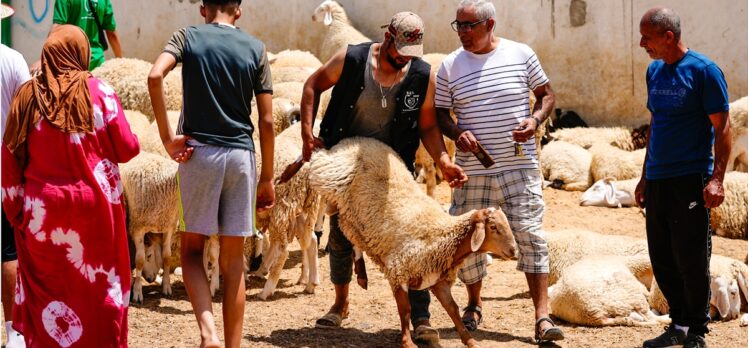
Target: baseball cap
407 30
6 11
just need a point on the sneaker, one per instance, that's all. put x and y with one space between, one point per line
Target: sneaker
672 337
694 341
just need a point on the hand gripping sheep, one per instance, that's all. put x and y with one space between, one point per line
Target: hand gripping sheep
384 213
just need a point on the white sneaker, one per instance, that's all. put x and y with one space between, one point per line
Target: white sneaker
15 339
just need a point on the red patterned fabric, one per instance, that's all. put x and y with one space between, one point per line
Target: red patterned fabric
67 211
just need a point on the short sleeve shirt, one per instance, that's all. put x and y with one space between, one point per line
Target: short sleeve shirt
78 12
222 68
681 96
490 95
13 73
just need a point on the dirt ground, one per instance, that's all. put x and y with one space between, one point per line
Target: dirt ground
287 318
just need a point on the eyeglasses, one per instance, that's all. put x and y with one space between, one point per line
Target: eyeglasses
465 26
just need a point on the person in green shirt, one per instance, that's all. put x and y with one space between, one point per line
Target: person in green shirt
78 13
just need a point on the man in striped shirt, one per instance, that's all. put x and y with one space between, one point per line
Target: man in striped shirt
487 83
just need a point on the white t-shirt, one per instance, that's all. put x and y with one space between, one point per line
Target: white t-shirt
13 73
489 94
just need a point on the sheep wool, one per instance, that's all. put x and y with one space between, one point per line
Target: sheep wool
569 246
294 215
150 186
610 162
151 140
601 290
566 165
619 137
340 31
129 78
139 123
384 213
296 59
730 219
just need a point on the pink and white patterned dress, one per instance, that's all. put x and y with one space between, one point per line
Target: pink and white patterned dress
66 207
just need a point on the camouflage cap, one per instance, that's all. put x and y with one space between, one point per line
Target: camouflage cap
407 30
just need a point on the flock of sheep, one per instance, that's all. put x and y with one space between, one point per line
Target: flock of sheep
349 179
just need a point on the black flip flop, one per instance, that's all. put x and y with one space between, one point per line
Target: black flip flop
550 334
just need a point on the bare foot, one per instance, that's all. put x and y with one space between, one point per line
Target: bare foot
210 343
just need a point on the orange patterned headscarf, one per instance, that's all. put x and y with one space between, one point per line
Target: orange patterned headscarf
60 94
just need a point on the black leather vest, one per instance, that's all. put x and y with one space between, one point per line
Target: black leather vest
404 136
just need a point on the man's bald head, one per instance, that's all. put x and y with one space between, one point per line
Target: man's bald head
663 20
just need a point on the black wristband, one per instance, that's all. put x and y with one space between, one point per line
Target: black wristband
537 120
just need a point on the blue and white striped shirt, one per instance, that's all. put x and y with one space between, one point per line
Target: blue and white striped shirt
489 94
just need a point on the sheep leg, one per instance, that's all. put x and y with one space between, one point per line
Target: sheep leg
313 267
281 250
304 241
271 253
359 267
403 309
430 178
443 292
166 254
137 287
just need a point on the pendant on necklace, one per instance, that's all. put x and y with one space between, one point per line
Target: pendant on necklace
384 102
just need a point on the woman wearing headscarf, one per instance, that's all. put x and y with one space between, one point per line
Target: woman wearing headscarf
62 193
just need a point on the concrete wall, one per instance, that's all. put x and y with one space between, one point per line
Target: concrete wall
594 61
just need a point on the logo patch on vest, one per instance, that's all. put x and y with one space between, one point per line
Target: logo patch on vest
411 101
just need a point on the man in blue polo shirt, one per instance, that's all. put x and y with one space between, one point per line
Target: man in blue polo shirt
682 179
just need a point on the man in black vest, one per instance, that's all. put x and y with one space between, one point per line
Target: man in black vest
381 91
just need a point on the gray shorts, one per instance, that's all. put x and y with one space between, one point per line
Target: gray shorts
217 190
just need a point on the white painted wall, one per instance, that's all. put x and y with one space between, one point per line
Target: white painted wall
596 69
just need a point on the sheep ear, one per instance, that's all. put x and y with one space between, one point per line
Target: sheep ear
328 17
478 236
722 302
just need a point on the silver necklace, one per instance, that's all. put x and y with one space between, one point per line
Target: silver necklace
381 90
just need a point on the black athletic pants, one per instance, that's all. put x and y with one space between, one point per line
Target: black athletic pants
680 246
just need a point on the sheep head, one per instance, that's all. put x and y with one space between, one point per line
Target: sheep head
725 297
324 11
492 234
154 260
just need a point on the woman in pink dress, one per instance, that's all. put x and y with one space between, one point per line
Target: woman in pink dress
62 193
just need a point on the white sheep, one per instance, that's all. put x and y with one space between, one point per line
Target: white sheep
566 165
601 290
294 58
150 188
139 123
427 171
294 215
150 141
730 219
129 78
285 113
619 137
415 243
727 279
610 162
292 91
340 31
291 74
739 125
569 246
